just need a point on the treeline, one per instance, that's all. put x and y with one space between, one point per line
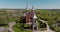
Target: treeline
7 16
48 15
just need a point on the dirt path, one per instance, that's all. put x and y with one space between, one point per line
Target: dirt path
48 28
11 24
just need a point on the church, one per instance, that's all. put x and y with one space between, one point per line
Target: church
30 17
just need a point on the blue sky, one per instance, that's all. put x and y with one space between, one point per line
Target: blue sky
38 4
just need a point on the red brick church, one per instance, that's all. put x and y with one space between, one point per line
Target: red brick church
30 15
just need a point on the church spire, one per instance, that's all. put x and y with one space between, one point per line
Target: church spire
33 8
34 15
27 7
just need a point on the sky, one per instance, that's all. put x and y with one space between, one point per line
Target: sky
38 4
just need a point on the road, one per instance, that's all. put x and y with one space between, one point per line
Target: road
11 24
48 28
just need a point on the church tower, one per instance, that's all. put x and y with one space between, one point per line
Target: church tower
33 11
34 21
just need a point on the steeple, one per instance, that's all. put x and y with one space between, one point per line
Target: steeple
33 10
27 7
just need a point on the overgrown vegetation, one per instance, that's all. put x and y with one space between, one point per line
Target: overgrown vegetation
50 16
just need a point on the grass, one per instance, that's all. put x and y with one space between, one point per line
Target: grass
57 29
12 20
19 30
27 31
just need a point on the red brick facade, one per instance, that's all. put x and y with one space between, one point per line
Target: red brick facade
29 16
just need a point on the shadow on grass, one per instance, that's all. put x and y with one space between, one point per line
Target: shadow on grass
19 28
26 27
3 25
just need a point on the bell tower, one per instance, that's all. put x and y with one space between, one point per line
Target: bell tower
34 21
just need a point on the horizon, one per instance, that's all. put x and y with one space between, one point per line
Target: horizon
20 8
38 4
